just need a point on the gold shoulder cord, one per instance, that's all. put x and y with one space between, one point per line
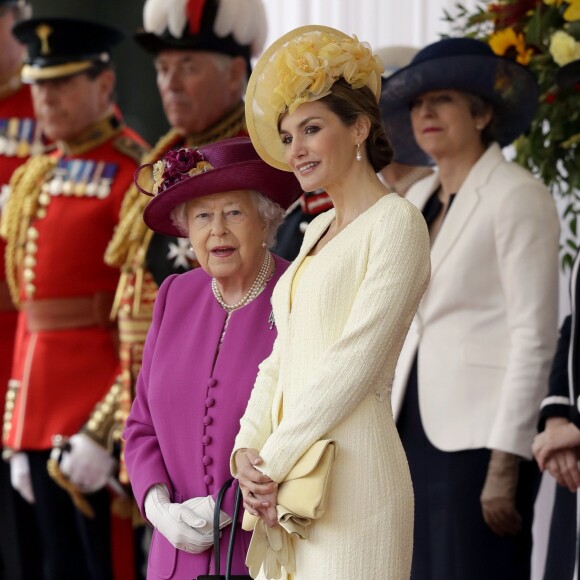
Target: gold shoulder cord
25 187
131 227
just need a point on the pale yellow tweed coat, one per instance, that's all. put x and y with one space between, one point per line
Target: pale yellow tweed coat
333 363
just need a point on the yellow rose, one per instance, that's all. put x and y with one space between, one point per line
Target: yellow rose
564 48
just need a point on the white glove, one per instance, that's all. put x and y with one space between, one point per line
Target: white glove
20 476
88 465
179 524
204 507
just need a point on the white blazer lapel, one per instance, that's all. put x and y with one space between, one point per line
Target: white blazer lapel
464 205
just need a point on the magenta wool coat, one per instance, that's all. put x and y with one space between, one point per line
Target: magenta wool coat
188 405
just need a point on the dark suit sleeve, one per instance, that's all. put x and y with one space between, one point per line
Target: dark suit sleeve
557 402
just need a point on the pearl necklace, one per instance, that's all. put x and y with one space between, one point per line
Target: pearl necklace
255 289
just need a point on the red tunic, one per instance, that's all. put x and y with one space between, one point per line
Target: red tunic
16 121
64 373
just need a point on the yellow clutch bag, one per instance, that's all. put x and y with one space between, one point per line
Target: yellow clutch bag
302 494
301 500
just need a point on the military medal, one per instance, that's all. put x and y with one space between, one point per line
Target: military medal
25 138
37 147
12 137
107 180
74 169
3 139
57 182
80 188
93 186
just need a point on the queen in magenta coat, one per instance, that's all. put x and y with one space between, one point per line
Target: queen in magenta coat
211 328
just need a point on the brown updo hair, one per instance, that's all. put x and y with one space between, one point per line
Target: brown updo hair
348 104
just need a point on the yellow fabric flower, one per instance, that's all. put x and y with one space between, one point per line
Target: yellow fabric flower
573 11
307 68
564 48
553 2
502 40
201 167
157 175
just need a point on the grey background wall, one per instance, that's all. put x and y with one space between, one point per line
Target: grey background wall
136 90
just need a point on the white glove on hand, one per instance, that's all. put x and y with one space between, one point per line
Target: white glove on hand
178 523
87 464
204 507
20 476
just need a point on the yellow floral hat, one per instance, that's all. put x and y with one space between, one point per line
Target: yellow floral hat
301 67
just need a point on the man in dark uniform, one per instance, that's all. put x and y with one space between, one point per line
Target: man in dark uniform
61 212
19 138
202 67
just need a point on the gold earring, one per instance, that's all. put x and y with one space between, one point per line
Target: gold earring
358 153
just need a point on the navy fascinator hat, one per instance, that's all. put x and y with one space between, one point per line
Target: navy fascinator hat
467 65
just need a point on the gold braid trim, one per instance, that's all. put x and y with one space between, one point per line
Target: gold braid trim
25 187
131 232
131 228
76 495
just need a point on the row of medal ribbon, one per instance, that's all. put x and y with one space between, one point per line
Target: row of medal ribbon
20 138
81 177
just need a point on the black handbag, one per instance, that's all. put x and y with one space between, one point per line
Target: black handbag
216 537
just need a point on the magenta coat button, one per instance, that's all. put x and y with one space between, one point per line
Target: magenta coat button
207 460
211 383
206 439
210 402
207 420
208 479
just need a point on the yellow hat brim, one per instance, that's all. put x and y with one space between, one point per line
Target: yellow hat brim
263 130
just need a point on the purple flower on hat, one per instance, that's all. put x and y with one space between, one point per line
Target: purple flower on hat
178 165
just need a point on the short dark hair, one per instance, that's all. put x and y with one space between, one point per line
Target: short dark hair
478 107
348 104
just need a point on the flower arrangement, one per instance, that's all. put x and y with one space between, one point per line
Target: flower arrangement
176 166
543 35
313 62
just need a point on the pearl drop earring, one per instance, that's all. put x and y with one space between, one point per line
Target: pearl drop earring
358 154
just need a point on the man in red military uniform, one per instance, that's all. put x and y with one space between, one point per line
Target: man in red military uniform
19 138
61 213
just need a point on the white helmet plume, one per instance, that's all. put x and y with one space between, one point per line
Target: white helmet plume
161 14
245 20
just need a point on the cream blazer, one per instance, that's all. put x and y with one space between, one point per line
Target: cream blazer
486 328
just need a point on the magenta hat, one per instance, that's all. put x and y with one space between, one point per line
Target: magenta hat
190 173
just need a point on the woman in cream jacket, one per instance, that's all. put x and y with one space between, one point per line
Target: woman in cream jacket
342 312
